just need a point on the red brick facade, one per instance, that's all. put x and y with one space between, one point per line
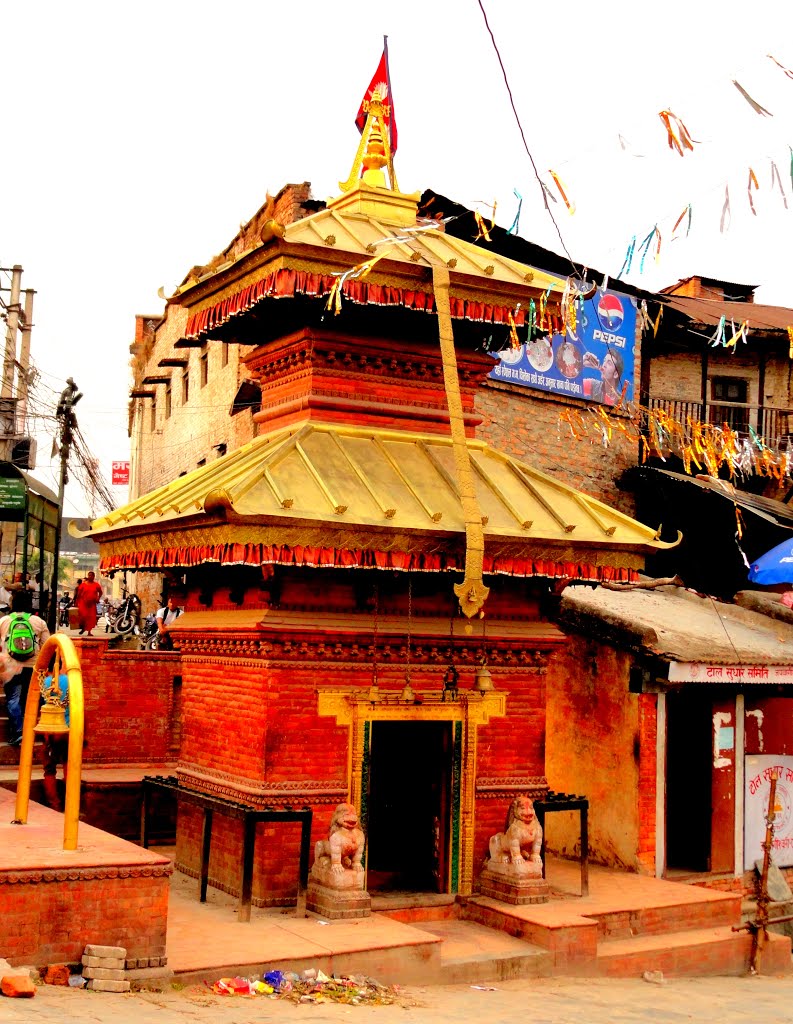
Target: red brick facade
50 916
252 733
131 705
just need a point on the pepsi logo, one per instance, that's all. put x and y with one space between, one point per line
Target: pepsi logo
610 312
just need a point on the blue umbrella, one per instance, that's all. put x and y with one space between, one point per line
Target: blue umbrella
775 566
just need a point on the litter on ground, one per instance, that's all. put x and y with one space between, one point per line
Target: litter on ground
312 986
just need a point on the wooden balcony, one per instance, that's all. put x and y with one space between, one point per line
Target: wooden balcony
773 424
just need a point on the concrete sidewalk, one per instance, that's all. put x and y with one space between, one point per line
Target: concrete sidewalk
537 1001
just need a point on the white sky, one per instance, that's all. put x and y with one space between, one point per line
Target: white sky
137 138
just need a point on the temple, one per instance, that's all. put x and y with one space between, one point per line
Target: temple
366 584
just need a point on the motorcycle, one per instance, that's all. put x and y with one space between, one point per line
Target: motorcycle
127 616
149 635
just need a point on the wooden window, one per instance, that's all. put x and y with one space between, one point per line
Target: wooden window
224 354
167 401
204 366
729 389
185 385
729 396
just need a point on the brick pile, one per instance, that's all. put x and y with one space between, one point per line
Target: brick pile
109 969
104 967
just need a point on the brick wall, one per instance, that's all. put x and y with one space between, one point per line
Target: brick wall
225 716
276 860
596 748
525 423
166 446
50 916
129 707
679 376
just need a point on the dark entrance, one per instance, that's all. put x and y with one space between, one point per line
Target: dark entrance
409 803
689 772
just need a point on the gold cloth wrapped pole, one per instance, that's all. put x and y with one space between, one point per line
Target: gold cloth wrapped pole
472 593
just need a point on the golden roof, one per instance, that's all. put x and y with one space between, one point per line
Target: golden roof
372 221
374 482
376 232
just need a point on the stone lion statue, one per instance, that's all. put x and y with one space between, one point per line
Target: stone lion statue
343 849
520 843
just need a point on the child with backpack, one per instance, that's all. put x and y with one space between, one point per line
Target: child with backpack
21 636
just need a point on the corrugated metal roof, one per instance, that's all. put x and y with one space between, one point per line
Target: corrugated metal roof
677 625
775 511
338 476
710 311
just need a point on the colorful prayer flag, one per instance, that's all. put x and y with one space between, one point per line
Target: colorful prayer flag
381 82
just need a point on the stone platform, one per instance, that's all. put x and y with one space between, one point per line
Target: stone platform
53 902
628 924
337 904
518 890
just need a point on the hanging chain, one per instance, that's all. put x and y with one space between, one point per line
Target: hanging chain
410 615
374 634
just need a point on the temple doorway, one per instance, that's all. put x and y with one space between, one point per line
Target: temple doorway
409 806
689 771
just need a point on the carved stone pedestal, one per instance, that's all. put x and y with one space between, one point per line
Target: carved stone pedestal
337 904
512 888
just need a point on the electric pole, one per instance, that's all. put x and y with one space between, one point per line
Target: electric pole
67 423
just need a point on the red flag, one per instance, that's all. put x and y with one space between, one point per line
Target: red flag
382 83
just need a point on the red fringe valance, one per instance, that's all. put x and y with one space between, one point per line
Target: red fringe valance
358 558
282 284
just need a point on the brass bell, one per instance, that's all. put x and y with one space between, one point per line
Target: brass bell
52 719
483 681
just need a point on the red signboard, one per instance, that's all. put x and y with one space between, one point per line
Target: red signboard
120 476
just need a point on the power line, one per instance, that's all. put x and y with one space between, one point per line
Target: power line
523 137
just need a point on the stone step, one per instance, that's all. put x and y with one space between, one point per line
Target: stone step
413 908
692 953
711 910
472 953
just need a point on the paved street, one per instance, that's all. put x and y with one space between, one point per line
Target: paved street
579 1001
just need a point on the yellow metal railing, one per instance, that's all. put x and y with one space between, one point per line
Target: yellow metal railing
57 656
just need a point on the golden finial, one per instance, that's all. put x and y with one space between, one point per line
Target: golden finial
375 159
374 151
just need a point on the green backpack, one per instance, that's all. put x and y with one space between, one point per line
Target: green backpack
21 640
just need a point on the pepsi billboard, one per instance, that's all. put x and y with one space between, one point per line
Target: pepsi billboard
594 362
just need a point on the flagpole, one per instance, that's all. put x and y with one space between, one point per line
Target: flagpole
387 69
391 102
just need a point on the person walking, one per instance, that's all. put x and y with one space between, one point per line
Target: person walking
86 598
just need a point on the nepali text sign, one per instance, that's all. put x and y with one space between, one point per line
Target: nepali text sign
699 672
593 362
120 473
758 787
13 493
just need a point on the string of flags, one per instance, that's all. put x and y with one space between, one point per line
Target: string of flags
678 136
681 141
739 333
707 447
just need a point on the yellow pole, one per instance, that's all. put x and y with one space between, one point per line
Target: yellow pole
70 664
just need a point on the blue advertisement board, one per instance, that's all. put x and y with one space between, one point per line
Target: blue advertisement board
593 362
